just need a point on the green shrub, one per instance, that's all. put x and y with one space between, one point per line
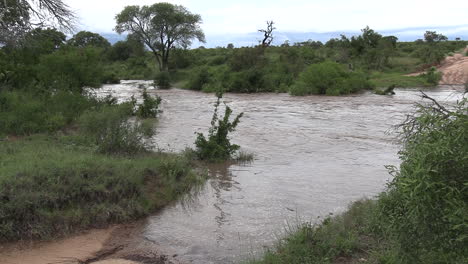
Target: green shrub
23 113
329 78
426 203
217 146
432 76
71 69
163 80
110 129
198 79
150 106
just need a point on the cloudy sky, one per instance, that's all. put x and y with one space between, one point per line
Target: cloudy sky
244 16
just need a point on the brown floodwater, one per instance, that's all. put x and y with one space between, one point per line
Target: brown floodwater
313 156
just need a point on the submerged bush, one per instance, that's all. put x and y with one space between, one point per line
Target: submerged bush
217 146
329 78
426 203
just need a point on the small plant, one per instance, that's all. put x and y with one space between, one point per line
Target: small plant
217 145
150 106
162 80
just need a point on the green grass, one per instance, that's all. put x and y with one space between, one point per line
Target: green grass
352 237
50 186
381 79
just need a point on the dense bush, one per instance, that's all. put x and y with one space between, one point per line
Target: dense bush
426 203
198 79
71 69
217 145
329 78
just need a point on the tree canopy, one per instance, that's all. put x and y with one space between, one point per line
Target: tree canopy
20 16
161 27
85 38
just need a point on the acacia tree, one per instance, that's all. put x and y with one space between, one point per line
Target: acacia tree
161 27
17 17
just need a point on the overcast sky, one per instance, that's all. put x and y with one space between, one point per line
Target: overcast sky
244 16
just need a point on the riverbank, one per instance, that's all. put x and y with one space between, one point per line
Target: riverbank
419 218
53 187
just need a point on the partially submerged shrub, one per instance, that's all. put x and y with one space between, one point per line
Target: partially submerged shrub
217 146
150 106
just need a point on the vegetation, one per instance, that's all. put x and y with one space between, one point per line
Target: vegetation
50 186
329 78
217 145
161 27
150 106
420 218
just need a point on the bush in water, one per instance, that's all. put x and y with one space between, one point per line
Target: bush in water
217 146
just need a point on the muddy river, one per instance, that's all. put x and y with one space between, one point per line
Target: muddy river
313 156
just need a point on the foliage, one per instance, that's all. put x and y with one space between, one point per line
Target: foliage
17 17
150 106
71 69
24 113
198 79
426 202
110 129
163 80
217 145
350 237
328 78
50 187
161 26
85 39
432 76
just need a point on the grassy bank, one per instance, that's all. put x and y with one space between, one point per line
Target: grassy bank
352 237
50 186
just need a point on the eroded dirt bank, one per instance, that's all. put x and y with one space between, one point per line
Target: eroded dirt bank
455 69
